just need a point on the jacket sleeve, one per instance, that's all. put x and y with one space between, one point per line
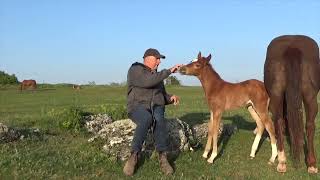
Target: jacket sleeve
166 95
142 78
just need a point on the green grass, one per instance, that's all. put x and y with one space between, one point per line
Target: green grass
62 154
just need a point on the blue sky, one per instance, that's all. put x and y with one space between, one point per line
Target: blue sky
76 41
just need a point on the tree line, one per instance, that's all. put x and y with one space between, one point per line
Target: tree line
12 79
7 78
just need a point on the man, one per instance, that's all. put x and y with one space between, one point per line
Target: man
147 98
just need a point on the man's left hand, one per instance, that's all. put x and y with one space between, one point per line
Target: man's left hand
175 99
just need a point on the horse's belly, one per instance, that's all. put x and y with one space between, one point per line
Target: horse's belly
234 105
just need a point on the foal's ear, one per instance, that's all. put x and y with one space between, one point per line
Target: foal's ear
209 57
199 55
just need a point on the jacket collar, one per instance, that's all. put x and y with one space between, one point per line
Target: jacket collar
144 66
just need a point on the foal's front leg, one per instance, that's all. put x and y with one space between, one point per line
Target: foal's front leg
215 130
209 139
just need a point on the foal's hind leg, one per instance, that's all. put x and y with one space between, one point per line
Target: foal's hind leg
259 131
311 107
268 124
209 140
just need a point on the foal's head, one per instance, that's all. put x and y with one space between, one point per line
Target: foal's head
196 66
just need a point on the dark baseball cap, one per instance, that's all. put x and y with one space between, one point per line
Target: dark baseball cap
153 52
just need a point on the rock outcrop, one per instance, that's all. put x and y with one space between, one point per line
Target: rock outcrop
118 135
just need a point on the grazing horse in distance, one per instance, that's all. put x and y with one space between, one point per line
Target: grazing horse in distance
292 76
76 87
222 95
25 84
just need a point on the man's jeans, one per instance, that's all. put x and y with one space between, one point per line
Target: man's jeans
144 120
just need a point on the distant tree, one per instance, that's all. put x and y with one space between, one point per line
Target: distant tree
172 80
124 83
114 84
8 79
92 83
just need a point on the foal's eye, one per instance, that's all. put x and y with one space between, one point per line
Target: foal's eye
197 65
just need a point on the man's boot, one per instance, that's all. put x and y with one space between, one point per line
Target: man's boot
164 164
130 165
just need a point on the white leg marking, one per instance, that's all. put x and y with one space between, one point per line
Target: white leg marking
215 129
312 170
212 157
214 150
282 167
255 145
274 152
205 154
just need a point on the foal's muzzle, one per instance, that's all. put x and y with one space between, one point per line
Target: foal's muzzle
183 70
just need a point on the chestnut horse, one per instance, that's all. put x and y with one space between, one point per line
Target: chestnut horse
28 84
292 75
222 95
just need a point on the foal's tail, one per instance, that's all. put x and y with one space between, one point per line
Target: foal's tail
293 96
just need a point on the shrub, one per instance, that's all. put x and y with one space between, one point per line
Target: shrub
69 118
115 111
172 80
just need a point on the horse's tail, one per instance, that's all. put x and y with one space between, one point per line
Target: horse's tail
293 96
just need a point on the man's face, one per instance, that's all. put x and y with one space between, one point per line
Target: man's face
152 62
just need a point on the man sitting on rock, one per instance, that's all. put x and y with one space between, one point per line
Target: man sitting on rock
146 100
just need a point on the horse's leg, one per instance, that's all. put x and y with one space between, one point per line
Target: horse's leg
268 124
209 139
215 130
259 131
276 107
311 108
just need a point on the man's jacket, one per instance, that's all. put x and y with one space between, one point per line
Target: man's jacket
146 87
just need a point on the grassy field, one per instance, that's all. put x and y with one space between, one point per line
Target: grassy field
62 154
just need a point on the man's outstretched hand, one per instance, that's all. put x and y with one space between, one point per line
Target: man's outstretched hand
175 99
175 68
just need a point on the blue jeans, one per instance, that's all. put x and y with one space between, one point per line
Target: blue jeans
144 120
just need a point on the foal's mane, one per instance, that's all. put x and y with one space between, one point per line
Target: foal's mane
209 69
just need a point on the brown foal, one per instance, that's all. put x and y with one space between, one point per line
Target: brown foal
222 95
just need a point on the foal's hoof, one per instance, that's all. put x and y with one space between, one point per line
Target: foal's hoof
255 131
270 162
282 167
205 155
210 161
312 170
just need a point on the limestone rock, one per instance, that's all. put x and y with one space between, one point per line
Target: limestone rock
8 134
119 134
94 123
